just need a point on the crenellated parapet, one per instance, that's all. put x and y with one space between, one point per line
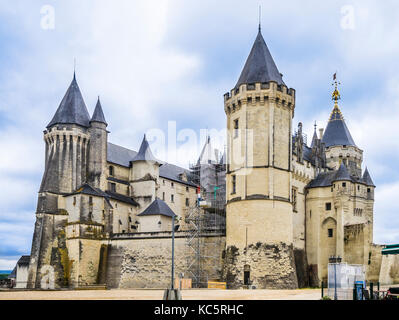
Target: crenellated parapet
259 94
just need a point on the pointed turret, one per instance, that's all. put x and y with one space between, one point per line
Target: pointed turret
72 109
337 133
367 178
208 154
260 66
144 153
98 114
314 139
342 174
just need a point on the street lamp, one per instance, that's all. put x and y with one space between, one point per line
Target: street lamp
335 260
172 293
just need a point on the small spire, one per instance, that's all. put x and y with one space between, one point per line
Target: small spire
98 114
145 153
260 13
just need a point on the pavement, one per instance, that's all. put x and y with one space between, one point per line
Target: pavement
148 294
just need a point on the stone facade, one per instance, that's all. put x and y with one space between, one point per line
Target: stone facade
289 206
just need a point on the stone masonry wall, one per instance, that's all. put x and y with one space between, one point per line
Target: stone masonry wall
272 266
146 262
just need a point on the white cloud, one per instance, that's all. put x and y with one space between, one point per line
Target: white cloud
8 264
143 59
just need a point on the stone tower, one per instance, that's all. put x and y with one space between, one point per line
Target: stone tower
259 227
66 139
144 175
339 144
98 148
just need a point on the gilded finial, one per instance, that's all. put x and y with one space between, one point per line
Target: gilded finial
336 113
335 95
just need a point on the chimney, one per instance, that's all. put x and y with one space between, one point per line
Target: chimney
321 131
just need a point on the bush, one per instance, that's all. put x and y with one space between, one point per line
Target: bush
326 298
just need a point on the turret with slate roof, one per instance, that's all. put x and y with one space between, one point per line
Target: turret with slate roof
145 153
98 114
342 174
367 178
338 141
98 148
144 175
72 109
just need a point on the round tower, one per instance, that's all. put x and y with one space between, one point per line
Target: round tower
66 138
259 228
338 142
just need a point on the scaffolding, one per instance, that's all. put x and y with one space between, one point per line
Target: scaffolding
206 221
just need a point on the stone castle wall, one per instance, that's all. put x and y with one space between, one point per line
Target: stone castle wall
145 261
271 266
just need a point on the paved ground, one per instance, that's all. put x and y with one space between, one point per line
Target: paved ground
193 294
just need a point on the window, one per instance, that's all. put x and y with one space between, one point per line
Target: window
147 198
163 182
368 190
172 198
172 184
294 199
187 202
163 196
91 201
344 184
328 206
112 186
330 233
233 184
236 127
187 189
74 201
111 170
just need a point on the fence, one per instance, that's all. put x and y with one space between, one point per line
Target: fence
342 278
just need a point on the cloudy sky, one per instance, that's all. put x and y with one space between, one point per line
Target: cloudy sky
154 62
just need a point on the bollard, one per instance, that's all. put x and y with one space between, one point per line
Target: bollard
354 292
322 289
371 291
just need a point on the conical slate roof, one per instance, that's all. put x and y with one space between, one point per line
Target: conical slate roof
98 114
72 109
260 66
208 154
158 207
337 133
342 174
144 153
314 139
367 178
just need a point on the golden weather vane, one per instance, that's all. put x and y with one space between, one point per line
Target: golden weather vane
335 95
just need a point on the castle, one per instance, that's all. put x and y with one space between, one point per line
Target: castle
105 212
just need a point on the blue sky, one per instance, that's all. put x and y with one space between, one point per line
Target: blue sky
158 61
